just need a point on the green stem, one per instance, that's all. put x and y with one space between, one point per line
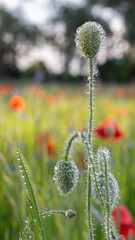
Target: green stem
88 200
49 213
88 203
69 145
107 208
91 100
66 213
92 165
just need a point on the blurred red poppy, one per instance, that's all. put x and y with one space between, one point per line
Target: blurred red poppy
5 89
109 130
51 99
48 140
17 103
40 138
119 92
123 219
37 91
50 145
61 94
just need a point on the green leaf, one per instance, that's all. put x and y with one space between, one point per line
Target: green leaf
33 204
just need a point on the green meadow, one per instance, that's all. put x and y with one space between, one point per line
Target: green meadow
40 130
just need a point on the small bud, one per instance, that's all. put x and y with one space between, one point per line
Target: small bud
66 176
89 38
113 189
70 213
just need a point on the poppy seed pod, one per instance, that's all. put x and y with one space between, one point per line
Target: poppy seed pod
89 38
66 175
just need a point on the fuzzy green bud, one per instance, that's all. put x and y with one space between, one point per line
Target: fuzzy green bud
66 175
89 38
112 186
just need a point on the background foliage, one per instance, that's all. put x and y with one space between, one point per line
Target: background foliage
18 36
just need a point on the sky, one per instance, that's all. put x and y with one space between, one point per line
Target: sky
37 12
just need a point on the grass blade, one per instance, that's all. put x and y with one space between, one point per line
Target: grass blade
33 204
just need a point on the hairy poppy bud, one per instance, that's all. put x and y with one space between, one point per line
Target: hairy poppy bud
113 189
66 176
88 38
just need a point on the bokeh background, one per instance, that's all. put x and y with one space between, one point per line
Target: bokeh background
43 99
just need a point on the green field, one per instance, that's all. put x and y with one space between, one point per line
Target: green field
51 114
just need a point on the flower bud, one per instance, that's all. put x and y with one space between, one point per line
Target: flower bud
88 38
70 213
66 176
113 189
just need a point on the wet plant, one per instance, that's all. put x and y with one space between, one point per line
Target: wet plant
102 186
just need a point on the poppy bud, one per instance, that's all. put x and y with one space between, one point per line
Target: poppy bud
88 38
112 186
70 213
66 175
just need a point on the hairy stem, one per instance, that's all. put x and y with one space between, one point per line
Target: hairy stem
88 203
49 213
91 100
107 208
88 200
69 145
91 162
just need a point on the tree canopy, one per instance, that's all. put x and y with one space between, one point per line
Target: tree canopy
15 37
71 16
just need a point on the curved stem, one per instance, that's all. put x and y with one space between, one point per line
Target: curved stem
69 145
66 213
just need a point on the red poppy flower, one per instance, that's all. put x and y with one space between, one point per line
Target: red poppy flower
17 103
123 218
109 130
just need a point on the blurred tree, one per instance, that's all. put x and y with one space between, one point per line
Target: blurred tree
15 38
66 18
127 9
65 22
